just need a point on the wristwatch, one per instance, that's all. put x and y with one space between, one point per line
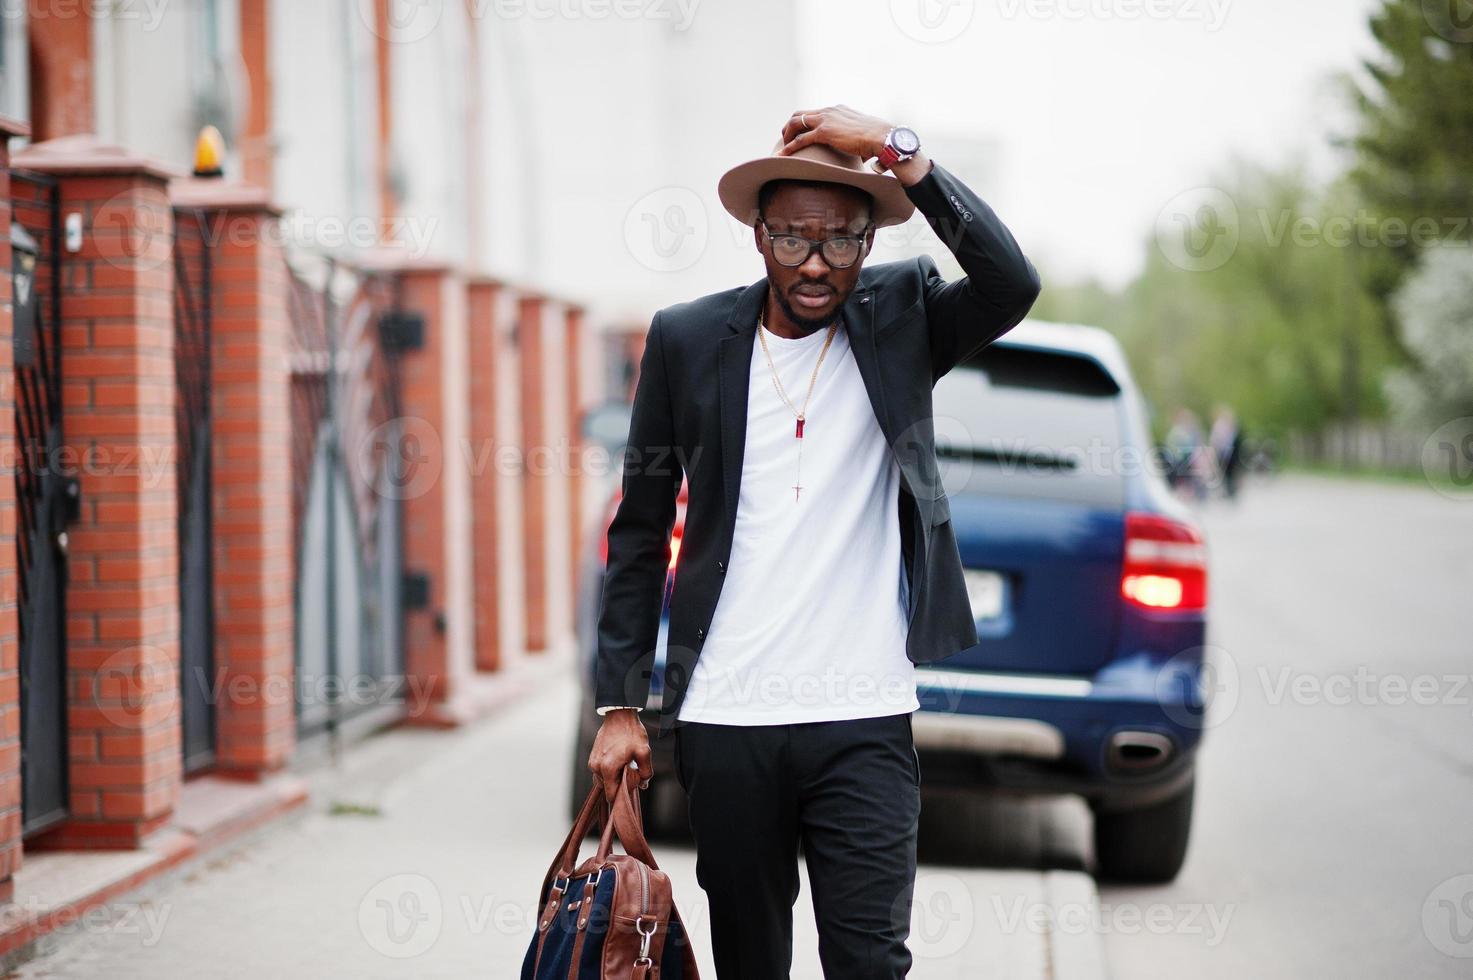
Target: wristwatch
901 143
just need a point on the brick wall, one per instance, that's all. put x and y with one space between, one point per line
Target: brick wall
122 600
10 785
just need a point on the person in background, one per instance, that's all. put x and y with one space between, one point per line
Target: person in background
1226 440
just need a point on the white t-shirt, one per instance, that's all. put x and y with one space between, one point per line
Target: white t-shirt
812 618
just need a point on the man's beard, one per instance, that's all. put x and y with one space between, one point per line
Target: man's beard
803 320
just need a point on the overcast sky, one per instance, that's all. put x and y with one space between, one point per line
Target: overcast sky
1103 110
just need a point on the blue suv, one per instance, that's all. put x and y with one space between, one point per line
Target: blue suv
1088 582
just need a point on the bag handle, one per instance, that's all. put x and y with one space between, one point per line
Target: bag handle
628 823
623 819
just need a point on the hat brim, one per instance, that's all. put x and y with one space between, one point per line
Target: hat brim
738 187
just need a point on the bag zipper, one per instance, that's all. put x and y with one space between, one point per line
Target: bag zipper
644 888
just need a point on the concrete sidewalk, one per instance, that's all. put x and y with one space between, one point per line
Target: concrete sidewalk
421 854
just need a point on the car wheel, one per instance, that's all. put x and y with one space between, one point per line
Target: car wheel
664 809
582 780
1146 846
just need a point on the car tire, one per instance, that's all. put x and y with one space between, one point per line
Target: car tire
582 780
1145 846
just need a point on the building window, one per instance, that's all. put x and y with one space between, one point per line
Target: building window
14 67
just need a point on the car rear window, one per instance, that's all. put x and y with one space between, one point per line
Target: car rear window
1017 422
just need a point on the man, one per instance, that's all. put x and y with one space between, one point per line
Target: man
798 409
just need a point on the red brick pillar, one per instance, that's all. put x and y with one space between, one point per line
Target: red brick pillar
10 786
507 386
250 383
576 395
439 639
118 418
61 68
533 377
486 463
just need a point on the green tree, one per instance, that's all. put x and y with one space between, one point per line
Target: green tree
1414 145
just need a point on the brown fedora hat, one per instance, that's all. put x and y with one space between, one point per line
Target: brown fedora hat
738 187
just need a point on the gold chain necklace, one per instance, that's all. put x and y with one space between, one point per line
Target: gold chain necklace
800 414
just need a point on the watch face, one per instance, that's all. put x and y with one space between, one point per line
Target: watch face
905 140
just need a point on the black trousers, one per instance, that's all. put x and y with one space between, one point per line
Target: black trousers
848 794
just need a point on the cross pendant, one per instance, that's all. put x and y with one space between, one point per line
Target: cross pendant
797 488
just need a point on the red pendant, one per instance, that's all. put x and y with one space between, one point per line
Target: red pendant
799 433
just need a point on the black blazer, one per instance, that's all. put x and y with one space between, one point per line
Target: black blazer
907 327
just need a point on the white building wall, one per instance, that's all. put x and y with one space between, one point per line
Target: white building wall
324 122
162 72
604 140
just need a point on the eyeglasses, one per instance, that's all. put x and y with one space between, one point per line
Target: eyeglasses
793 250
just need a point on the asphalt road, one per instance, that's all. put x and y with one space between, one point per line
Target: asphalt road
1334 823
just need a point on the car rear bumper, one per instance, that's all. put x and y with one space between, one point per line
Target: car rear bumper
1121 742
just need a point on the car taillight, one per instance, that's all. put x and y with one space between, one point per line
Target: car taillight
675 535
1165 564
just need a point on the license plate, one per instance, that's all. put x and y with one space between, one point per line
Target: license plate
987 592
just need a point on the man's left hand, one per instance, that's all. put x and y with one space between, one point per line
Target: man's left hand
851 131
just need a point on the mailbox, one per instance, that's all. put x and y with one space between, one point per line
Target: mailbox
23 252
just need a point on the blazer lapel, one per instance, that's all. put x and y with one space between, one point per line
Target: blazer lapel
859 321
734 372
735 367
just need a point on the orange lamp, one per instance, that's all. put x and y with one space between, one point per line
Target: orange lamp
209 153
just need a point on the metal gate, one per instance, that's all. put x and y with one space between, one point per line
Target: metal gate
347 506
46 498
193 303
